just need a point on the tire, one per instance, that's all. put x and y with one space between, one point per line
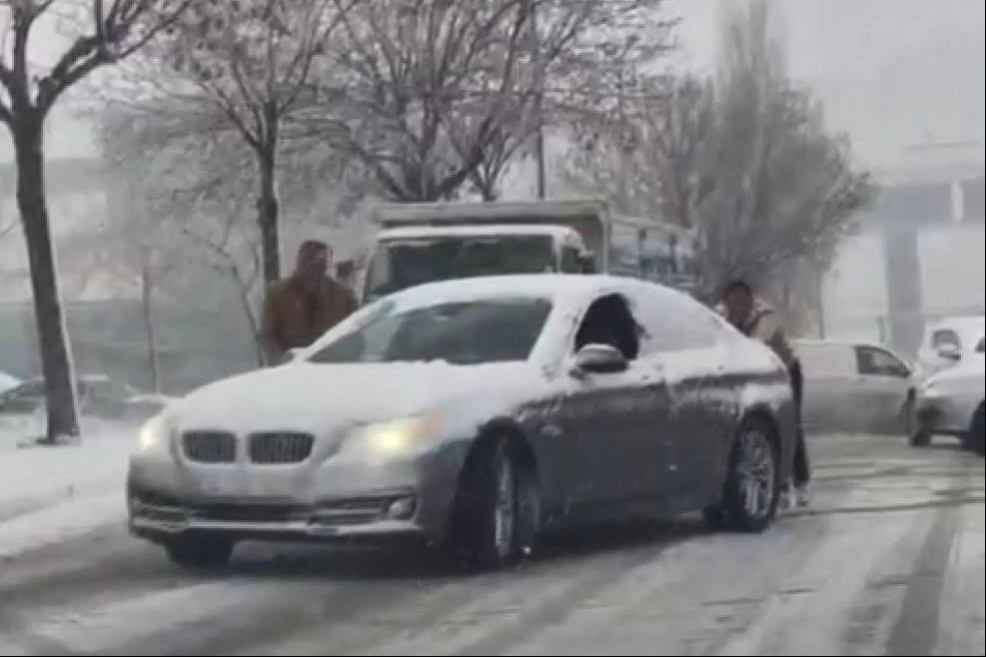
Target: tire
753 486
921 437
487 528
977 436
907 423
198 552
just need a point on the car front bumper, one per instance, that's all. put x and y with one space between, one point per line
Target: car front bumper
339 499
382 518
944 414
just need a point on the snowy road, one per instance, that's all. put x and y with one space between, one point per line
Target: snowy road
890 562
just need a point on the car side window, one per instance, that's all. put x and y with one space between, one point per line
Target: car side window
982 346
674 322
610 321
945 338
877 362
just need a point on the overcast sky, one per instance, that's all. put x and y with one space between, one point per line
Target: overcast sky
893 73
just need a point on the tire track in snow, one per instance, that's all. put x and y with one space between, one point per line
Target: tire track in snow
476 615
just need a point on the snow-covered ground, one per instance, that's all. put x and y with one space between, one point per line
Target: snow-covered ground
52 494
889 561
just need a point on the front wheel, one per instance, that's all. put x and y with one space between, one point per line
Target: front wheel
197 552
488 527
753 487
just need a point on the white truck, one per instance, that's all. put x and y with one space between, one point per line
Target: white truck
421 243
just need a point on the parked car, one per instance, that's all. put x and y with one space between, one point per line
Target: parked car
7 382
951 404
857 387
98 396
476 413
950 342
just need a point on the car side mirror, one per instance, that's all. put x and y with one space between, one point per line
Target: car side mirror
599 359
950 352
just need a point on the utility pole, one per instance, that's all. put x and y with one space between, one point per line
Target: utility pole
539 154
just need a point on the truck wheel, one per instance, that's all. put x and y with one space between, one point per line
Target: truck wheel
753 486
487 524
196 552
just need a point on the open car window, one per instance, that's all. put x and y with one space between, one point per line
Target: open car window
466 333
610 321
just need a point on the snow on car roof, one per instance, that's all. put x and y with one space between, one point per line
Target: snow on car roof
426 232
556 287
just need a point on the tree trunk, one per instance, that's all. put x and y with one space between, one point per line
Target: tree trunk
270 237
153 351
250 313
53 345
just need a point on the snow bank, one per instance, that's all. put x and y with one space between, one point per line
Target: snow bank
50 494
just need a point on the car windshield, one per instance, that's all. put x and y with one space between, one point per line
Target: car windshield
466 333
402 264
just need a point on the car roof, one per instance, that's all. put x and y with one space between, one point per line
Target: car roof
961 324
554 287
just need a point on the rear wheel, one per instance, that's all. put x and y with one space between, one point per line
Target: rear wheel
921 437
753 487
488 528
198 552
977 437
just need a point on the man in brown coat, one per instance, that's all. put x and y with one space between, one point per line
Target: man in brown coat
755 319
301 308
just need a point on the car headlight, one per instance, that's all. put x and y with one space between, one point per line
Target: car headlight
153 436
397 438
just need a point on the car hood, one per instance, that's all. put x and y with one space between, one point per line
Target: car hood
322 398
970 371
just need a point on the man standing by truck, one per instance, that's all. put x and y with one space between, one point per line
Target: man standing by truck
758 321
301 308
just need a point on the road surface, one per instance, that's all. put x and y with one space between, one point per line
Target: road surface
890 561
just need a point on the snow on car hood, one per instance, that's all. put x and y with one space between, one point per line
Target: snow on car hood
965 373
320 398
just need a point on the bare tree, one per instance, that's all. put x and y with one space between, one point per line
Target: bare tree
746 160
103 32
252 61
194 197
429 96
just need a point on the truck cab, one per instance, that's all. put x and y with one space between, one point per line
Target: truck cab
421 243
405 257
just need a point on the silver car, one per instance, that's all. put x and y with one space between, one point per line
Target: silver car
951 403
857 386
476 414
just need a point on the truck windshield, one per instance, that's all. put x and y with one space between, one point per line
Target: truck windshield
398 265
